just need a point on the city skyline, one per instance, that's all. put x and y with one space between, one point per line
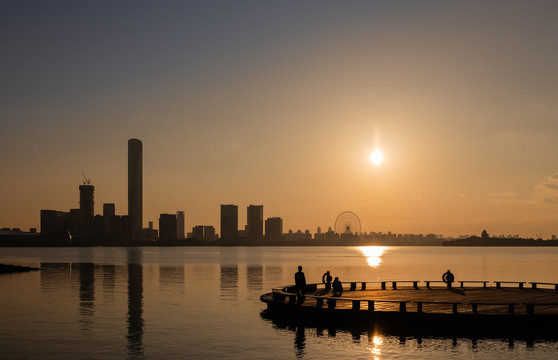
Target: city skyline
286 110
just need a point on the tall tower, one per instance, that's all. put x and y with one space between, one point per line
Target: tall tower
229 221
86 207
109 210
255 221
180 225
274 228
167 227
135 185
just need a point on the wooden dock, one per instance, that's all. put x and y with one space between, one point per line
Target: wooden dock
472 305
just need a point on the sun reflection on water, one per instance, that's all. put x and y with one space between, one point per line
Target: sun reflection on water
373 254
375 347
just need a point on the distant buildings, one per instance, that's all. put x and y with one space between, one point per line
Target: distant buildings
167 227
109 210
82 226
180 225
135 185
149 233
86 207
298 235
319 235
204 233
54 222
229 221
274 228
254 219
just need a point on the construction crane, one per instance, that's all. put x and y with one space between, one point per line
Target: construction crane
86 181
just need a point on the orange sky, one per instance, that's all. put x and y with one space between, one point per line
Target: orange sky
281 105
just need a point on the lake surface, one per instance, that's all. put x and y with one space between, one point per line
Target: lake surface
203 302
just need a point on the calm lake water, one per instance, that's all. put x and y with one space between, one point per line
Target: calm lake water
203 302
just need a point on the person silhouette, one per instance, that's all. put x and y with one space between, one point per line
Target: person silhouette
300 283
337 287
326 279
448 278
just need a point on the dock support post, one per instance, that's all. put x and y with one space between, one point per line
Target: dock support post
356 304
363 286
383 285
415 285
319 302
394 285
428 284
331 303
521 285
403 306
461 283
511 308
534 286
497 284
530 308
454 308
484 284
353 286
370 305
556 287
475 309
419 307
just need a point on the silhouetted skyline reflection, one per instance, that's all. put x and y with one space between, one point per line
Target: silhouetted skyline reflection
109 280
135 305
229 282
53 275
86 295
204 303
171 279
254 274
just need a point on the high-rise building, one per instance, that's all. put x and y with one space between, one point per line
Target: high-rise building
204 233
254 220
86 208
167 227
180 225
208 233
229 221
274 228
109 210
135 185
53 222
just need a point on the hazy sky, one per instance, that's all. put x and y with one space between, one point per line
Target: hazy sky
280 103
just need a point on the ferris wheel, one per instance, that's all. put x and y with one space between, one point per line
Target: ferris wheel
347 223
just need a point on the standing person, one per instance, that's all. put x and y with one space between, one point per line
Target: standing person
448 278
300 283
337 287
326 279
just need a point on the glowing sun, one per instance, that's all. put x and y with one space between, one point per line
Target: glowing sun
376 157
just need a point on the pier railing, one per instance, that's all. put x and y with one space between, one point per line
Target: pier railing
288 294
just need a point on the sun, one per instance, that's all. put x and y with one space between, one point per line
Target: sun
376 157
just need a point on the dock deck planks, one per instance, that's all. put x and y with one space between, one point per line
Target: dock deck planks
491 300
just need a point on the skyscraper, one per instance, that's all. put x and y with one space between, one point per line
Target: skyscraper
273 228
109 210
86 207
229 221
180 225
254 220
167 227
135 186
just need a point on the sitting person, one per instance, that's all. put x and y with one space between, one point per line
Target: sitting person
448 278
337 287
